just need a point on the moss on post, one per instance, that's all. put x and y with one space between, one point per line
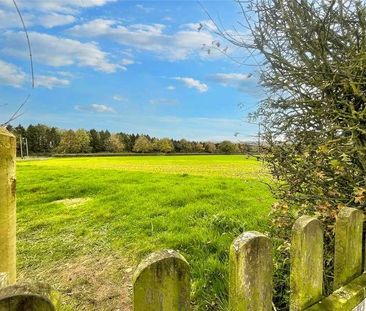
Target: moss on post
4 281
7 204
30 297
306 278
348 246
162 283
250 281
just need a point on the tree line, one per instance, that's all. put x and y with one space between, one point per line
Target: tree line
42 139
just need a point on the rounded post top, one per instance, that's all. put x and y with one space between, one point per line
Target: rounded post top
347 212
157 257
5 132
247 237
304 221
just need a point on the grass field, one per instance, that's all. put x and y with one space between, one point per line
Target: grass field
84 223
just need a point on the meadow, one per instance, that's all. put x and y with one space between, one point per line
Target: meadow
85 223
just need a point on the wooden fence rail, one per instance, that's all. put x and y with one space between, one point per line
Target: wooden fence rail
162 281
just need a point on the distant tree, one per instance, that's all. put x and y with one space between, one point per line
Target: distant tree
142 144
244 148
74 142
104 137
165 145
210 147
127 142
198 147
53 138
115 144
185 146
95 141
228 147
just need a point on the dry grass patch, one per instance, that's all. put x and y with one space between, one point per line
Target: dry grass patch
91 283
76 202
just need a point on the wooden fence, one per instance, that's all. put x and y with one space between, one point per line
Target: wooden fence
162 281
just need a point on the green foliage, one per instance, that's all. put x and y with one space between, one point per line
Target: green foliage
164 145
313 69
228 147
210 147
142 144
131 206
115 144
74 142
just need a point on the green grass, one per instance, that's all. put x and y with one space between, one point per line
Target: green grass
127 207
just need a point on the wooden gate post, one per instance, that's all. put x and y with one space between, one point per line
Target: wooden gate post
251 268
162 282
7 204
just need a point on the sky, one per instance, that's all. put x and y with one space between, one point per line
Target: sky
129 66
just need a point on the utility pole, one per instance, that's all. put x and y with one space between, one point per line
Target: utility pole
21 146
26 146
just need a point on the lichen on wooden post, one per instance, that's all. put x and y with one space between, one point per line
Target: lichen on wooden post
7 204
162 282
30 297
251 266
348 246
306 276
4 280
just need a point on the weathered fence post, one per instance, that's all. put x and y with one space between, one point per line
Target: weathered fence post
250 280
4 281
306 276
162 282
7 204
29 297
348 246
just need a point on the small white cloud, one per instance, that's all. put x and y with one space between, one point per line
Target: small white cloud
163 102
55 19
127 61
11 74
192 83
236 80
119 98
64 6
144 8
94 108
50 82
57 52
14 76
149 37
171 88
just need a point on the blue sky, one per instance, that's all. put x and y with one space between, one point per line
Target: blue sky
131 66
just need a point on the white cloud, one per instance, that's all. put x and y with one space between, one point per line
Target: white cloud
236 80
192 83
46 13
50 82
10 19
171 88
55 19
144 8
119 98
148 37
65 6
94 108
57 51
11 74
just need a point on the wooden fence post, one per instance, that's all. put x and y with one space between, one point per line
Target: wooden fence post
7 204
306 276
29 297
348 246
162 282
250 280
4 281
